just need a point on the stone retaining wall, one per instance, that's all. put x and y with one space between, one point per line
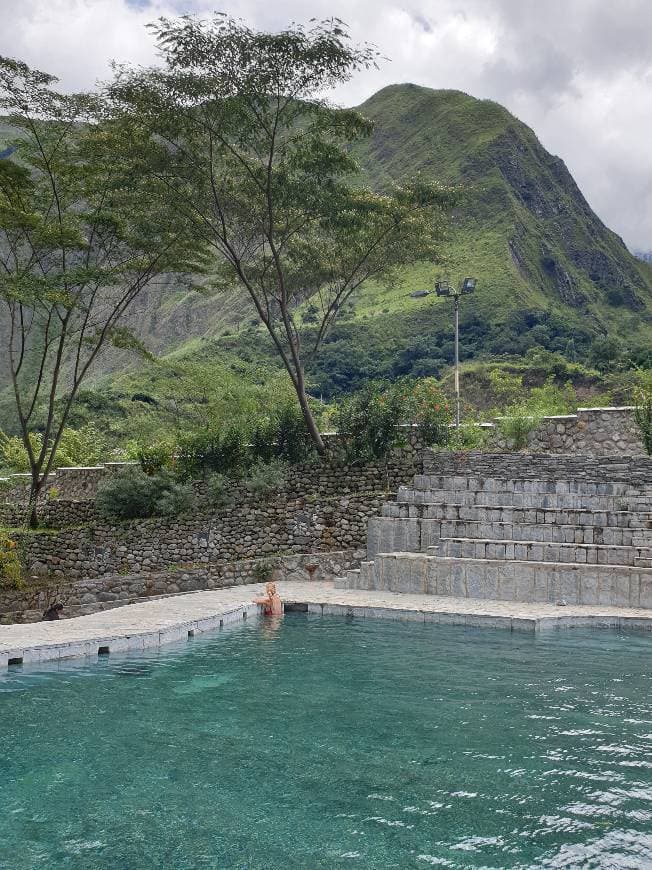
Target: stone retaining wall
69 488
591 432
322 507
635 470
614 586
52 514
306 481
89 595
68 484
245 530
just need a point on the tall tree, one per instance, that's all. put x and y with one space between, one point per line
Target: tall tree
80 236
235 127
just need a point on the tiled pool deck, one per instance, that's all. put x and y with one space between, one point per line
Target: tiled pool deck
165 620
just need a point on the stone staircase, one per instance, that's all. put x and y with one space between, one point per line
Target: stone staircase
512 527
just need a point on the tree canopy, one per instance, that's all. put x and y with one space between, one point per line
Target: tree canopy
236 128
81 234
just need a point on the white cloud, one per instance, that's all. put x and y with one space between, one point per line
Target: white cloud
579 72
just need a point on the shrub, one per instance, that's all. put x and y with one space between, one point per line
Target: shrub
266 478
129 495
506 387
369 422
217 491
262 440
156 457
175 499
11 570
643 417
224 451
550 398
13 453
282 436
132 494
469 436
428 409
292 441
522 418
144 397
517 425
78 447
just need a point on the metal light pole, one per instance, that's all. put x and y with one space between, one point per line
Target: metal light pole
443 288
456 305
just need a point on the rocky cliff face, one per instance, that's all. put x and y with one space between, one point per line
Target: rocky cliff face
561 249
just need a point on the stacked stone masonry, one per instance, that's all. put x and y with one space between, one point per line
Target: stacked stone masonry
503 527
322 509
247 530
81 484
590 432
88 595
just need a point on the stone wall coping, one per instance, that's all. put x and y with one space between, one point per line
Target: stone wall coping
79 468
532 416
608 410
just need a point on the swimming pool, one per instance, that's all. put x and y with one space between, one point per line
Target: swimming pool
326 742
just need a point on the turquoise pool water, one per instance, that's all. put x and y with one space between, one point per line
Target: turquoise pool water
322 742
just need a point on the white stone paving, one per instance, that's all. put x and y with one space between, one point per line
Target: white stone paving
164 620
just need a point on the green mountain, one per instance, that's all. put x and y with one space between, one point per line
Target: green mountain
524 208
551 274
551 277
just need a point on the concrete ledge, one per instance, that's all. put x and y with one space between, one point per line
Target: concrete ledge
179 618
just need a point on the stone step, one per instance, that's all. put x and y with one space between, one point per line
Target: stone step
535 551
511 514
618 586
348 580
391 535
508 498
476 483
546 532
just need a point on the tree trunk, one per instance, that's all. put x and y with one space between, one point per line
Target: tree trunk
34 492
32 519
315 434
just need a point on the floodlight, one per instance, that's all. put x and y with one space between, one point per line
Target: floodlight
443 288
468 285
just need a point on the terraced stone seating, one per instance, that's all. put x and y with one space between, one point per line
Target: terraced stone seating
514 536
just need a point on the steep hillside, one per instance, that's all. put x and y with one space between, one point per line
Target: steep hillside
551 274
523 216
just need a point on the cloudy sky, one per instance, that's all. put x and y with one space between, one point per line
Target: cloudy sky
579 72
